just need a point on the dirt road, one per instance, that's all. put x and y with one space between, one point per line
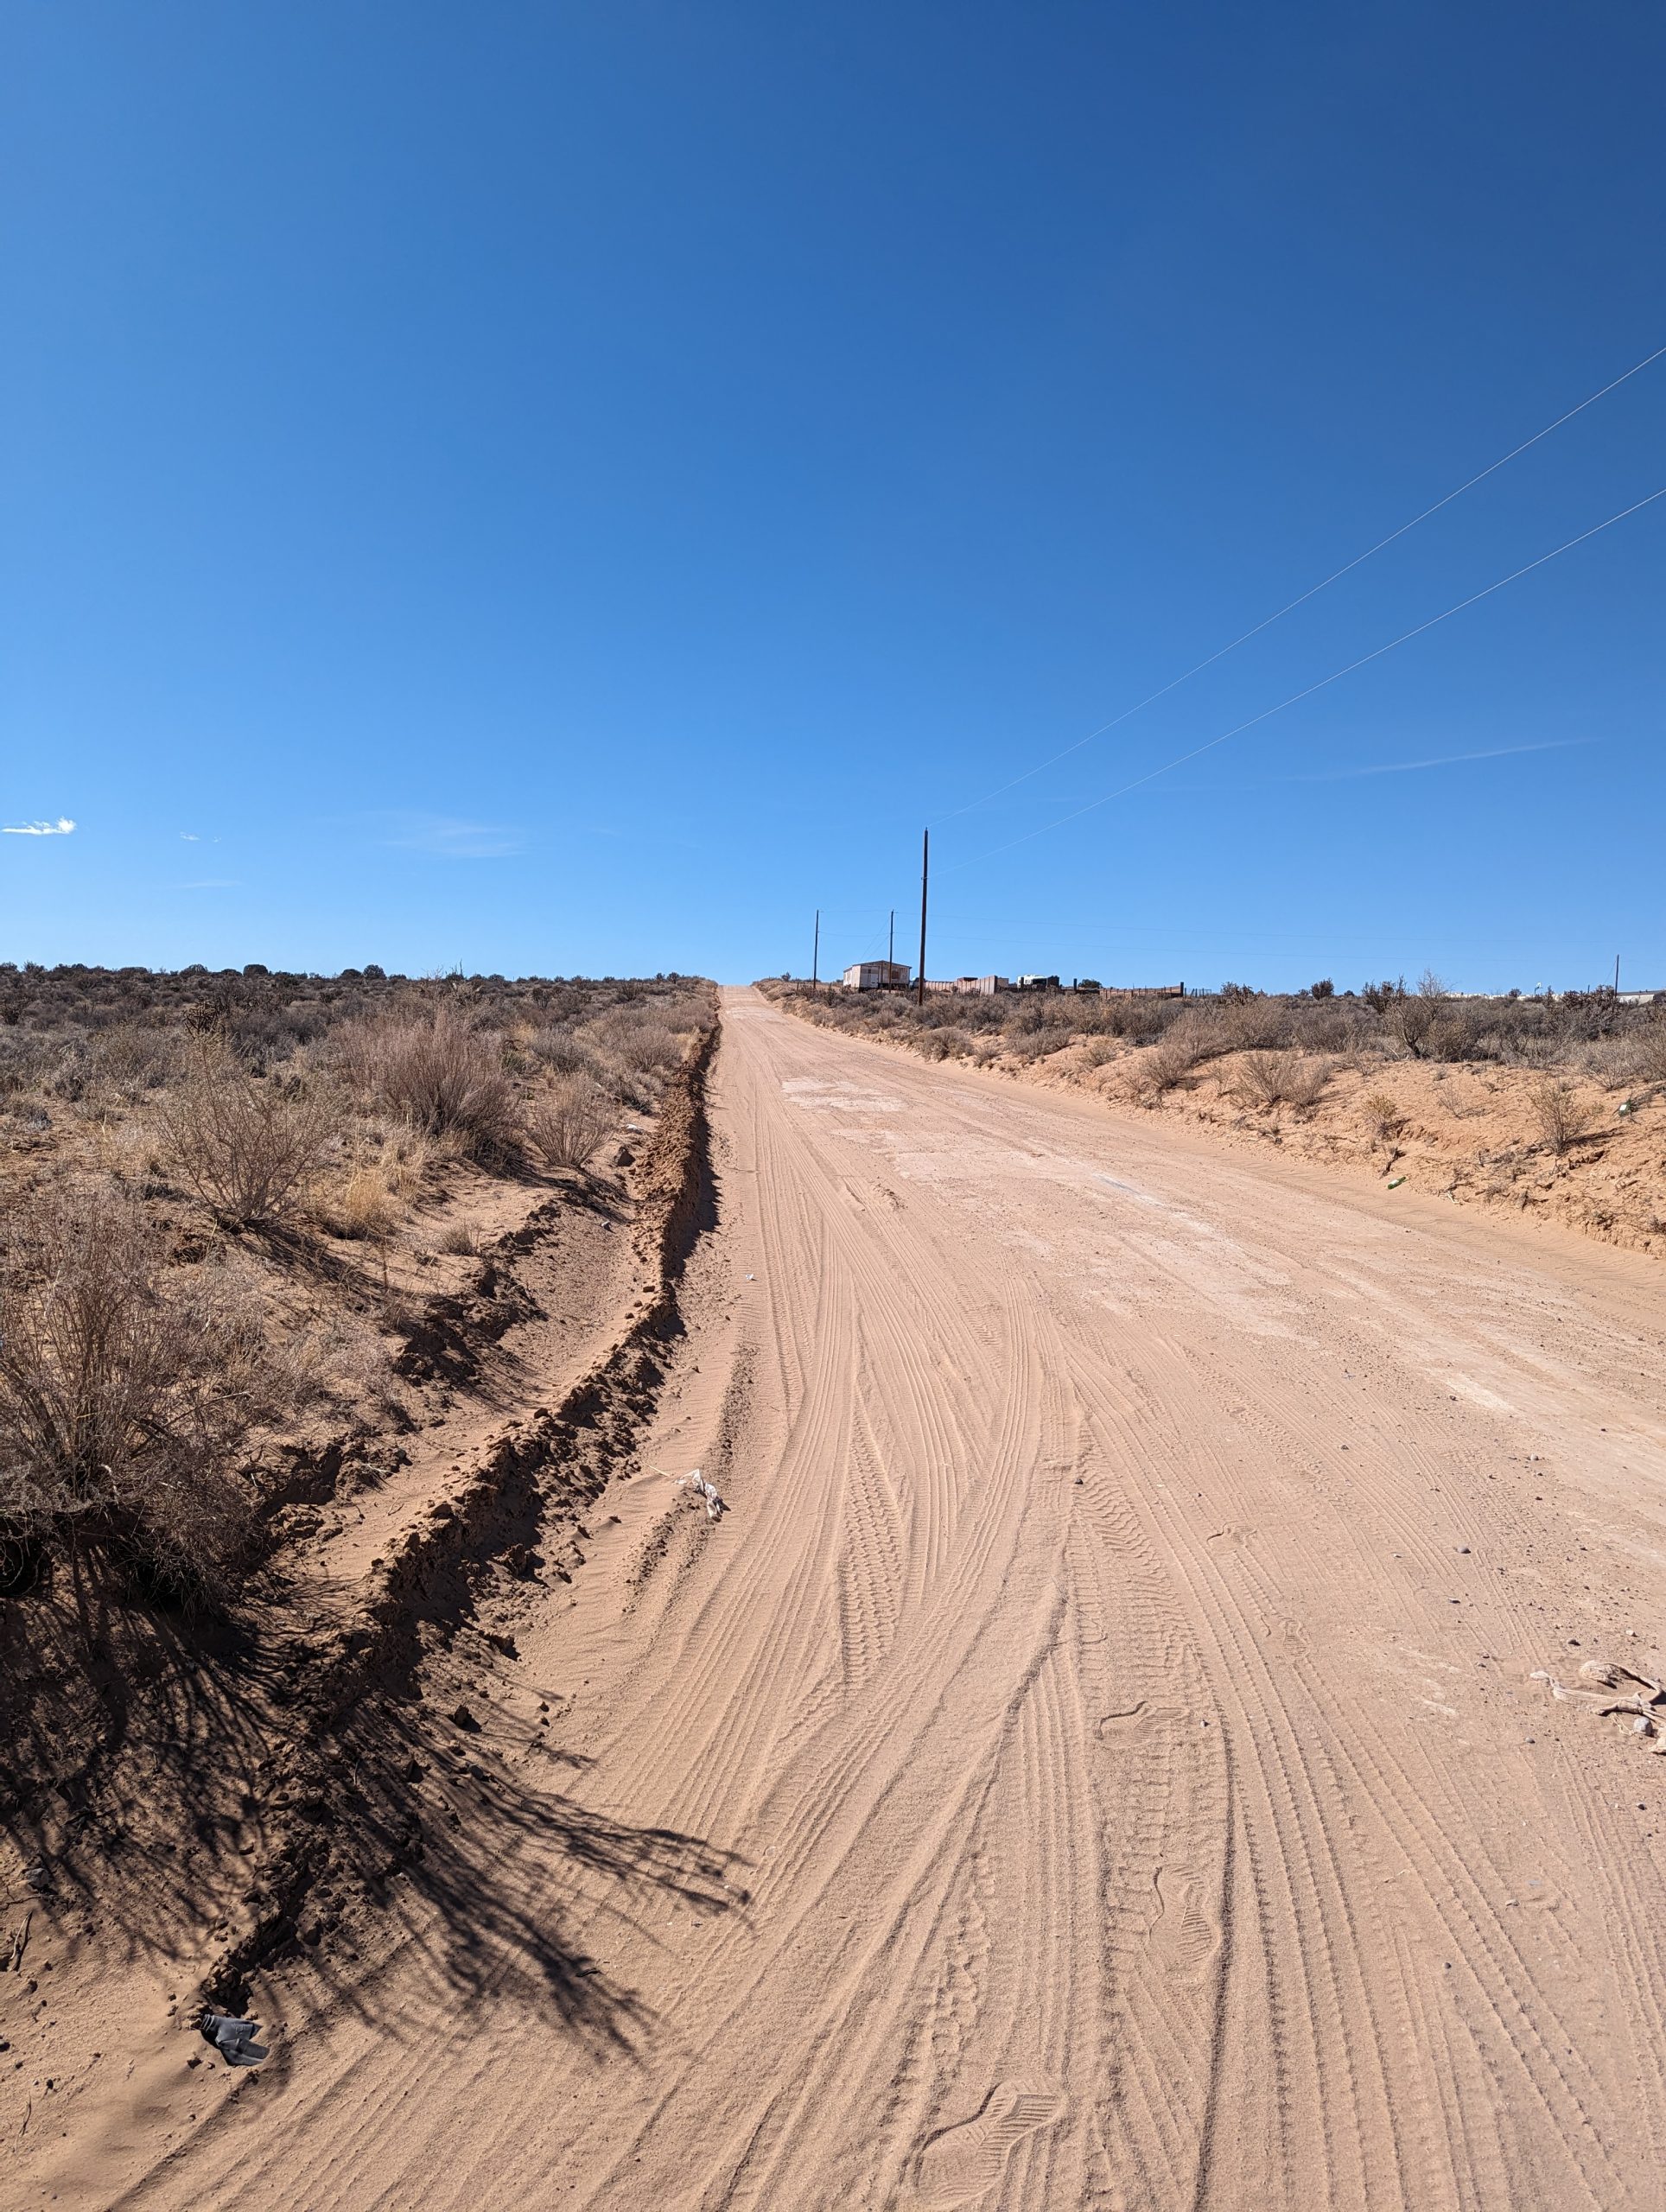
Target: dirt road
1094 1762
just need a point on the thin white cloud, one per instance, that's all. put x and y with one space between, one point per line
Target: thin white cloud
1379 768
189 837
1444 760
61 828
452 839
212 883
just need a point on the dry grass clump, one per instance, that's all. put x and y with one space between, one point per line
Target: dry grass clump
1562 1113
248 1147
635 1046
438 1070
123 1397
1280 1079
381 1181
366 1207
566 1124
1383 1115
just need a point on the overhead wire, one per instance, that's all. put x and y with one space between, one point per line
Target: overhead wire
1335 677
1313 592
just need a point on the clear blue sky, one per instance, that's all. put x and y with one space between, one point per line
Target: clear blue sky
573 488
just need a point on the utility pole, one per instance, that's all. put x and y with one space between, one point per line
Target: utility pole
816 954
924 879
891 941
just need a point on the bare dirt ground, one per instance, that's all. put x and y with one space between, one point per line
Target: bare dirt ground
1094 1762
1572 1132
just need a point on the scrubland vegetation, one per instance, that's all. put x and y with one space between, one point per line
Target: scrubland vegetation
1594 1032
1557 1101
223 1198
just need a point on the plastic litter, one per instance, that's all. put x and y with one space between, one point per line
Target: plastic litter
696 1481
234 2039
1396 1182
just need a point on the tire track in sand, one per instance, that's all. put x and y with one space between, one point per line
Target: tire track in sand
1057 1675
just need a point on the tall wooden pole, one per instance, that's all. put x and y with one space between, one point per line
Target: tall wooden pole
816 954
924 880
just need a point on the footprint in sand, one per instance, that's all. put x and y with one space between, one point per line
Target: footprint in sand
1181 1937
964 2160
1115 1727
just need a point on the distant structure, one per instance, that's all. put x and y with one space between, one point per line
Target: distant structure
887 975
877 976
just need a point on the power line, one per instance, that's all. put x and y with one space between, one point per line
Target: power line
1313 592
1335 677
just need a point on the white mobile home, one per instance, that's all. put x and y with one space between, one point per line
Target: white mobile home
876 976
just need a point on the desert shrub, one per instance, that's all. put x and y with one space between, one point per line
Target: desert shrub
1053 1039
560 1051
1563 1115
1326 1027
247 1148
1324 989
1141 1020
266 1035
1158 1069
1254 1024
570 1121
68 1070
1618 1063
1383 1115
635 1047
1281 1078
1581 1017
122 1398
128 1060
438 1070
1420 1019
25 1062
1529 1048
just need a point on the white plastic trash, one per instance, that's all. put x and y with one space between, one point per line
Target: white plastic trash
696 1481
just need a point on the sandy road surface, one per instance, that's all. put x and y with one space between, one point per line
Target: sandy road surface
1104 1717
